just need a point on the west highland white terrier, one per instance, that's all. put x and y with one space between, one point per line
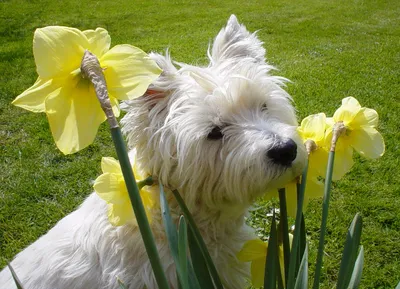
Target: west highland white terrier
222 134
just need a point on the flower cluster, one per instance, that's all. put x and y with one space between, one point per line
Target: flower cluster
66 96
359 133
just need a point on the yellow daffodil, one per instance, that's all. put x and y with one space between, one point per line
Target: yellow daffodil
66 97
110 186
255 251
360 134
315 132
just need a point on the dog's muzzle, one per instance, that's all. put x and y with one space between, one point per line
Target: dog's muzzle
283 153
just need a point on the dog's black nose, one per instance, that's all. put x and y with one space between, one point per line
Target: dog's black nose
283 153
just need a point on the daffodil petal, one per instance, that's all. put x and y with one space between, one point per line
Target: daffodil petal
99 41
107 187
368 142
128 71
147 198
252 250
314 188
74 116
120 214
343 160
317 162
291 199
345 115
110 165
329 122
313 127
365 117
271 194
58 50
115 105
349 109
351 102
33 98
257 272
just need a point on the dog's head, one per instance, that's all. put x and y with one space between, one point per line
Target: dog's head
223 134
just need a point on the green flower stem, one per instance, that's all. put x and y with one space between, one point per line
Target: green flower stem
285 231
338 129
296 234
149 181
91 69
325 208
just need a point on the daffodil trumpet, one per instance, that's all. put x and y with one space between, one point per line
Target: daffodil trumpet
91 69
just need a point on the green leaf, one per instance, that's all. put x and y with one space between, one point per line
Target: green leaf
170 228
302 243
284 231
302 276
193 281
297 232
182 252
398 286
272 260
357 271
15 277
199 240
172 237
199 265
350 252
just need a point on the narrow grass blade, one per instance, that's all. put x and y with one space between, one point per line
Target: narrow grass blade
325 210
302 276
182 252
357 271
350 252
199 265
199 240
284 230
272 260
138 208
296 236
15 277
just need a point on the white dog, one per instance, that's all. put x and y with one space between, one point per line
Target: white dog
222 135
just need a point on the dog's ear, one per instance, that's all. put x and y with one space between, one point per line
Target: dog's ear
234 41
164 83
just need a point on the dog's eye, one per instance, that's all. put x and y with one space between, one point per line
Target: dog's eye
264 107
216 133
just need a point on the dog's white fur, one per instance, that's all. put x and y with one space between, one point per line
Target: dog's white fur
218 179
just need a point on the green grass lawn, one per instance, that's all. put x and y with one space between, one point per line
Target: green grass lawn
329 49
